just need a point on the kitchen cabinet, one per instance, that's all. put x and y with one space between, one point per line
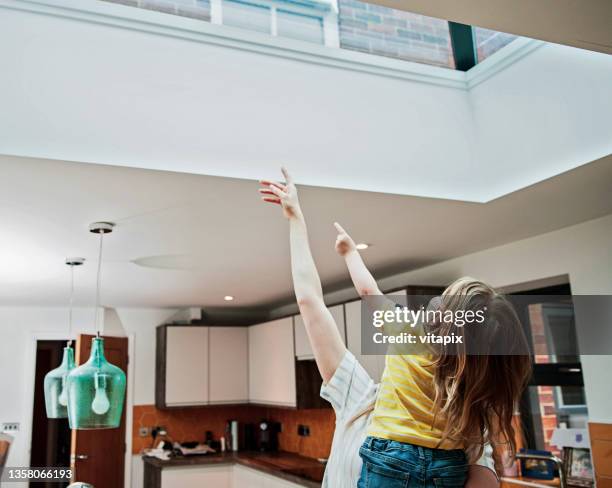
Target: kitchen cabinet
373 364
272 363
302 344
250 478
228 365
186 365
201 365
413 297
198 477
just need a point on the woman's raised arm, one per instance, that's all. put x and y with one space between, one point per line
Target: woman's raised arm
323 334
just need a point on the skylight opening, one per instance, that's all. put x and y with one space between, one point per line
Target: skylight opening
346 24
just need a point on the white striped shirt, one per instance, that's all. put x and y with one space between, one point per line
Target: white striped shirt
350 391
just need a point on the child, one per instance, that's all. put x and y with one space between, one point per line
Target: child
347 386
434 412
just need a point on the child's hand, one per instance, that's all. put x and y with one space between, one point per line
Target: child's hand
344 242
283 194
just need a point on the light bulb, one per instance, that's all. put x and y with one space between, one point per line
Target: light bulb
63 398
100 404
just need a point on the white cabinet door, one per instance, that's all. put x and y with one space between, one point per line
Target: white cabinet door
272 363
244 477
186 365
302 344
229 356
197 477
250 478
374 365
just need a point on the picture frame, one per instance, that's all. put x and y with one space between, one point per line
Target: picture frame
578 467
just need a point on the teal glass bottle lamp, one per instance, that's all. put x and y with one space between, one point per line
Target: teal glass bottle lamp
96 392
96 389
56 398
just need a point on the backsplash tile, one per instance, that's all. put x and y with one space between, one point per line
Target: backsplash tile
185 424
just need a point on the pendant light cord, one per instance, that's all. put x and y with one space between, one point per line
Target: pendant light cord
99 281
70 306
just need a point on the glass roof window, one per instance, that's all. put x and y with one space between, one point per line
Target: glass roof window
395 33
489 41
346 24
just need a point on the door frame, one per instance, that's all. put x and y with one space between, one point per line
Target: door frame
30 372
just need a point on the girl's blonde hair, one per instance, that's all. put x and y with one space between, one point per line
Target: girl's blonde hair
478 384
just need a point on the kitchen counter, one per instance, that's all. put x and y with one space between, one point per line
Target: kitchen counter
297 469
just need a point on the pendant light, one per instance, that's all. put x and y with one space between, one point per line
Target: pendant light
56 398
96 389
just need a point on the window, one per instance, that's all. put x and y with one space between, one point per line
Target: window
555 396
395 33
349 24
299 26
489 41
246 15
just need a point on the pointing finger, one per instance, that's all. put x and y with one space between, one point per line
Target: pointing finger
339 228
286 174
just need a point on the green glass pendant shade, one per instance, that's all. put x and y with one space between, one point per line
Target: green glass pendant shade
96 392
56 399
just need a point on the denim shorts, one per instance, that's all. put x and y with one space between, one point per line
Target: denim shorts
391 464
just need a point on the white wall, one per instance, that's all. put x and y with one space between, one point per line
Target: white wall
142 322
19 326
583 251
545 114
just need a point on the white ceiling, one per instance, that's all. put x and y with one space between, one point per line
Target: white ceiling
222 240
132 98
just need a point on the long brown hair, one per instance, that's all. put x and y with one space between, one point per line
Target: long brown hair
478 383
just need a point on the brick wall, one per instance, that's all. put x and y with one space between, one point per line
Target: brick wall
489 42
187 424
546 398
388 32
197 9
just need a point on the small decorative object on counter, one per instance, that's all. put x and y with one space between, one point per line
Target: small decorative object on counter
578 467
96 389
56 399
537 468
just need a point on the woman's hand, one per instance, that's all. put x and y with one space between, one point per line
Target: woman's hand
283 194
344 242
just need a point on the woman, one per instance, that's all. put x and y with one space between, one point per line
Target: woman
347 386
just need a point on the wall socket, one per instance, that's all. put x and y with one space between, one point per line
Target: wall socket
10 427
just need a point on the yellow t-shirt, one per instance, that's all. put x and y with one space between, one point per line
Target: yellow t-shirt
404 406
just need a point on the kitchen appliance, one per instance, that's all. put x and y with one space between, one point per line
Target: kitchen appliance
232 435
267 435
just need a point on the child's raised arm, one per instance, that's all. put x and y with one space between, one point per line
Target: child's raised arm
323 334
364 282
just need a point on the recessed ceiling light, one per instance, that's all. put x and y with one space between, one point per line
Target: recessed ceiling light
362 245
228 298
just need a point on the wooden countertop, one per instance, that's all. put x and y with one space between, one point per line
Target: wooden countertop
292 467
513 482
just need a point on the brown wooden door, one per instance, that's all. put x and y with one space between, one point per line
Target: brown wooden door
98 456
